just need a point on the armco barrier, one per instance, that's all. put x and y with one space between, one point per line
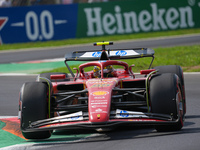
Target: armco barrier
134 16
38 23
56 22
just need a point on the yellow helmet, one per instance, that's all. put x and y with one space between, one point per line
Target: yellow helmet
109 68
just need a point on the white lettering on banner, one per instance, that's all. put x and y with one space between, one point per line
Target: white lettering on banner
158 18
46 24
48 34
94 20
186 13
144 20
172 18
108 22
130 22
131 16
32 34
119 20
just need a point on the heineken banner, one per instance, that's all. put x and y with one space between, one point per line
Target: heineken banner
135 16
56 22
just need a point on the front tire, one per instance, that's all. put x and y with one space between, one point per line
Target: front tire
175 69
166 98
33 96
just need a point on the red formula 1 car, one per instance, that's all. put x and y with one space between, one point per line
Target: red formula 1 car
102 94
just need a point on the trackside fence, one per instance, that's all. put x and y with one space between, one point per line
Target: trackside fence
57 22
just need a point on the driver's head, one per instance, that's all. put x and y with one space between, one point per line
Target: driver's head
108 71
109 68
97 72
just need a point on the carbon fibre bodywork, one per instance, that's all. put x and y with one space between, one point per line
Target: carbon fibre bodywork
112 99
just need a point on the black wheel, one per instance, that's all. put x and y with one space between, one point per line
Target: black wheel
166 98
34 96
48 76
179 72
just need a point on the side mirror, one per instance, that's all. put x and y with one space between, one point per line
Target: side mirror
75 69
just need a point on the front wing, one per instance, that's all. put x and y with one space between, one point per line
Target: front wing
80 120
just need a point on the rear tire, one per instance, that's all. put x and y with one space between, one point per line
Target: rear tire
33 96
166 98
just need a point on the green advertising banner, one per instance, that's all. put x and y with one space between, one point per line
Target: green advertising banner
135 16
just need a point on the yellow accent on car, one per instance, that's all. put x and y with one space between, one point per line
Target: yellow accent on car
103 43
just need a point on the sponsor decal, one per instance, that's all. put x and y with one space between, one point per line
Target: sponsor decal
97 81
124 113
3 21
130 114
121 53
110 80
100 85
96 106
99 103
125 21
75 118
96 54
99 97
96 93
98 110
92 81
38 24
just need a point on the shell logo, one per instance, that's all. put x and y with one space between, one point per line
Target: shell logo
100 93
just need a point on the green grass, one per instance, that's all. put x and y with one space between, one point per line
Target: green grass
97 39
188 57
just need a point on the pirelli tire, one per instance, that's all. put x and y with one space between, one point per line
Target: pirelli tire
179 72
166 98
48 76
34 99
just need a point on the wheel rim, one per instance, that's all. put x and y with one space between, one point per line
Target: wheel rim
180 105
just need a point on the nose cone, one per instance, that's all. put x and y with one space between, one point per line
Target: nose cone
99 102
99 117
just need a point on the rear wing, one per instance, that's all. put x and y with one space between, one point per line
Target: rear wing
108 54
113 54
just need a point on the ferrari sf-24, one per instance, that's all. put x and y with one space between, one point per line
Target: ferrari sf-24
102 94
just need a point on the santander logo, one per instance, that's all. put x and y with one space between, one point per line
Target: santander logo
97 93
3 21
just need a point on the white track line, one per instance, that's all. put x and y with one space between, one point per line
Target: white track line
16 74
3 117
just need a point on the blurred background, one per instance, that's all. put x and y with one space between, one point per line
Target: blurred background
44 2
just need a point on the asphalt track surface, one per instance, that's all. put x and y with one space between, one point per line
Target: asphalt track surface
130 138
59 52
139 138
